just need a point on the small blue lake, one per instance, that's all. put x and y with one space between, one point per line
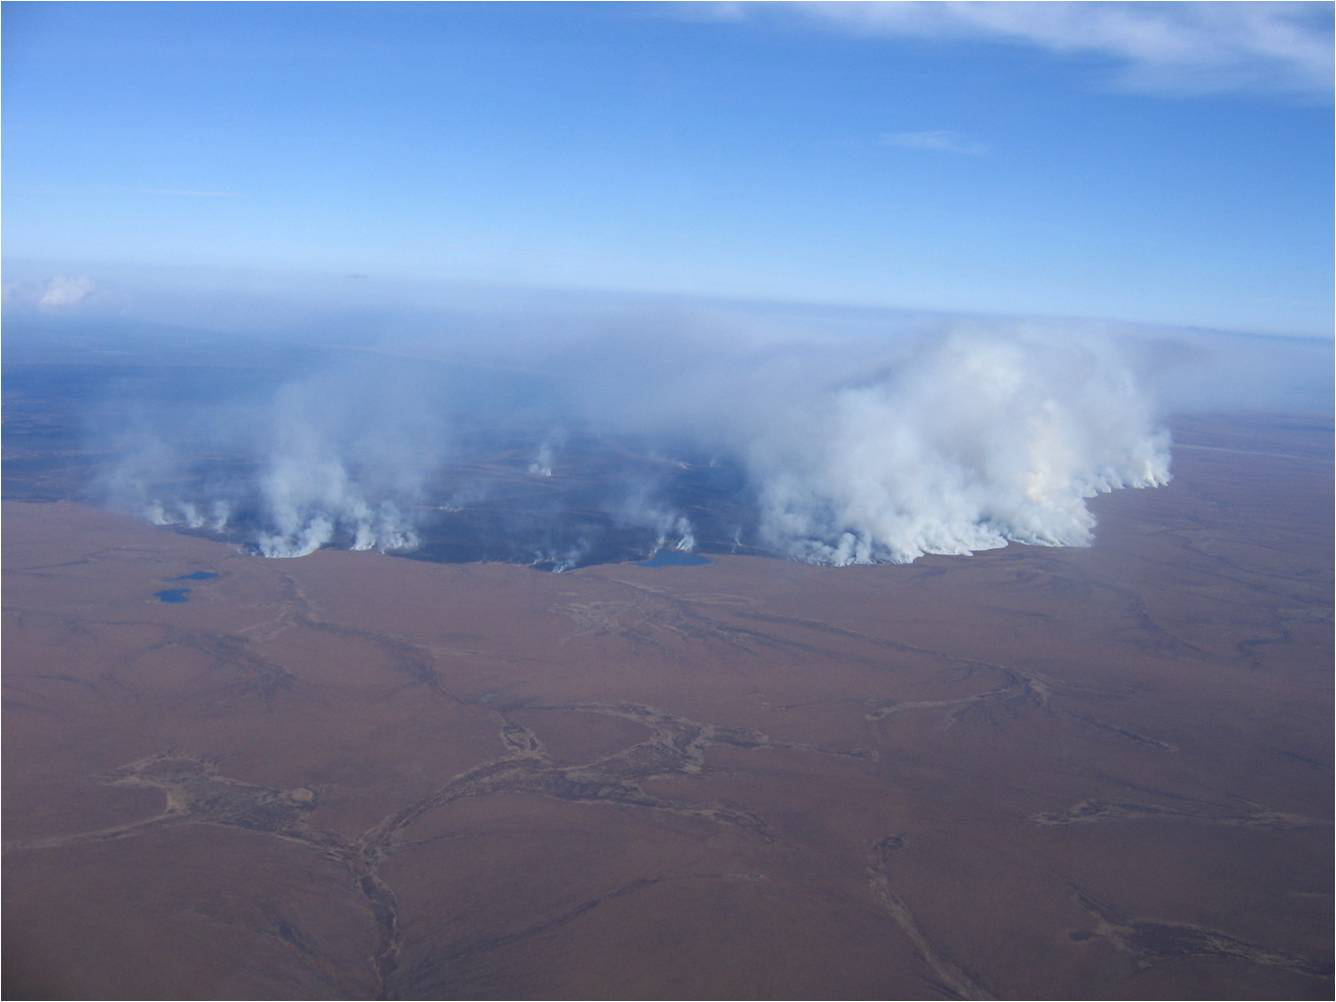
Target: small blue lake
674 558
173 595
196 576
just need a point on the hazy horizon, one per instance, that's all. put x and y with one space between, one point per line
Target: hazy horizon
1163 164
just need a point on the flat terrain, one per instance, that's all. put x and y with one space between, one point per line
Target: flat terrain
1029 773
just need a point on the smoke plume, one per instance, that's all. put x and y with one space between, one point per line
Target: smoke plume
827 440
969 444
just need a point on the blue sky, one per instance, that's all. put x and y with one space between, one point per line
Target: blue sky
1160 163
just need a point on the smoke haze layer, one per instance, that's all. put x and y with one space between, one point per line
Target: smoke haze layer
560 435
851 451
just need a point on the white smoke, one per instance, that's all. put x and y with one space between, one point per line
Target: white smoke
559 562
336 458
542 464
686 536
64 291
831 441
309 492
308 498
212 517
641 508
967 445
674 531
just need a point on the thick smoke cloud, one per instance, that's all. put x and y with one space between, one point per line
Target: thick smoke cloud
859 448
971 443
818 438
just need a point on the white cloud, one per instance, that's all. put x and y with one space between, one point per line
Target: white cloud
937 140
1178 48
65 290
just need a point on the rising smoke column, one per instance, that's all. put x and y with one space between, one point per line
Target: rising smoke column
338 457
342 462
308 498
970 443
